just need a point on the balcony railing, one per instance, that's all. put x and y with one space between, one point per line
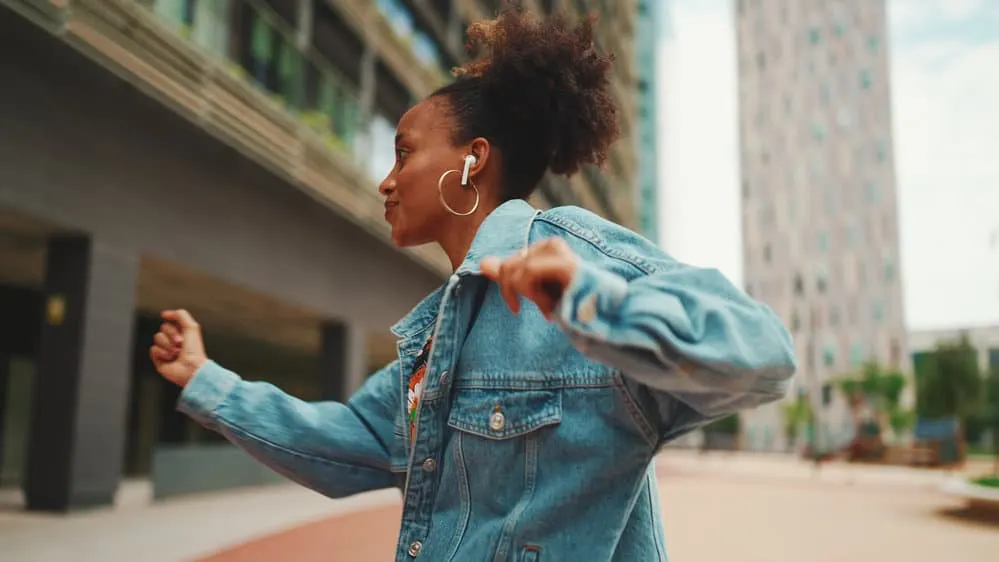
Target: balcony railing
259 48
256 89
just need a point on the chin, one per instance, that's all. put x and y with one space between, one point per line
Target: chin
400 239
407 239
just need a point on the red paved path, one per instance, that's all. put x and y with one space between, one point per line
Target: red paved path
763 517
367 536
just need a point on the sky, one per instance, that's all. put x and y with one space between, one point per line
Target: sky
945 111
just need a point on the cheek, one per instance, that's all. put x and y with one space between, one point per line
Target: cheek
417 194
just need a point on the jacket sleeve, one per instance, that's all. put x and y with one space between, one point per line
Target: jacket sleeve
684 331
335 449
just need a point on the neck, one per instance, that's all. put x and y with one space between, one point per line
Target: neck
460 232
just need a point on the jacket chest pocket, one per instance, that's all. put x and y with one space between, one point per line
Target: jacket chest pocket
503 414
499 439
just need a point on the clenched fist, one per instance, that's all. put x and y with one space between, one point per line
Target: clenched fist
539 273
178 350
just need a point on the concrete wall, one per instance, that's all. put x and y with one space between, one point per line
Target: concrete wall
84 150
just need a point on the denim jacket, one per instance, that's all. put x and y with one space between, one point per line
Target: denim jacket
534 440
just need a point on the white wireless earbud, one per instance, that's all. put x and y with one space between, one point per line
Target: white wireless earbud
470 161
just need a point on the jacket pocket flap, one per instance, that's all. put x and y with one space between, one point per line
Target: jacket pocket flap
503 414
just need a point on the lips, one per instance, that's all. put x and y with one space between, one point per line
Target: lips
389 207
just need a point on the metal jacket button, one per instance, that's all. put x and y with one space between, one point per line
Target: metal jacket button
497 420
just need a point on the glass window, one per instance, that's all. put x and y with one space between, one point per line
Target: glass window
866 81
821 282
994 359
426 50
178 11
889 270
823 242
799 285
873 42
761 60
882 151
829 356
211 26
819 132
878 311
814 36
767 253
856 354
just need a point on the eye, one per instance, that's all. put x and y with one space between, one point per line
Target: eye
400 155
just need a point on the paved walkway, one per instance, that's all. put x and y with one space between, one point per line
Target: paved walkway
724 507
172 531
717 507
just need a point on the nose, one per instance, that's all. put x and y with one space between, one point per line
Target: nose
387 187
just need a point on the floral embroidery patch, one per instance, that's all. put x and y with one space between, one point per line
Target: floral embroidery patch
416 387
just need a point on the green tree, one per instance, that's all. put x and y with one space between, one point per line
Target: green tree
882 388
987 419
950 384
729 425
797 414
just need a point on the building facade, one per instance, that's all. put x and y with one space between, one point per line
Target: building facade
221 156
652 30
819 202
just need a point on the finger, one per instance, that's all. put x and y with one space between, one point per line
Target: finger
161 356
163 341
490 268
167 353
509 277
182 318
172 332
540 283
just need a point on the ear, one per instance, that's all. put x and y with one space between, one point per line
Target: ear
479 148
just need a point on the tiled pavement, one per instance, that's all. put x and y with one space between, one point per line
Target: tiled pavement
772 509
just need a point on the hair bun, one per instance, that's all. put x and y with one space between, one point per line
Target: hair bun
547 85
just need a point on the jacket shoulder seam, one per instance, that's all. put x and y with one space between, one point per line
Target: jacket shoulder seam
589 236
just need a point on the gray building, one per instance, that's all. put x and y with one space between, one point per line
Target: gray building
221 156
819 209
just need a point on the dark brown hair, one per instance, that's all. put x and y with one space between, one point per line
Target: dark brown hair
538 91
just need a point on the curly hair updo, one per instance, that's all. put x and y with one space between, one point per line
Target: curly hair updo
539 92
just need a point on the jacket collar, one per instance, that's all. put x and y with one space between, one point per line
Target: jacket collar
503 233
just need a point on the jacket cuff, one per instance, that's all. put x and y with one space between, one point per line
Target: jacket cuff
592 300
206 391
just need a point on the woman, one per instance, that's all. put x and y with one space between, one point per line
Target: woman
534 388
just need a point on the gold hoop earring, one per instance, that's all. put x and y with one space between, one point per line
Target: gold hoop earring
440 191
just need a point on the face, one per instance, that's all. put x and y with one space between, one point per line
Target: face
423 151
